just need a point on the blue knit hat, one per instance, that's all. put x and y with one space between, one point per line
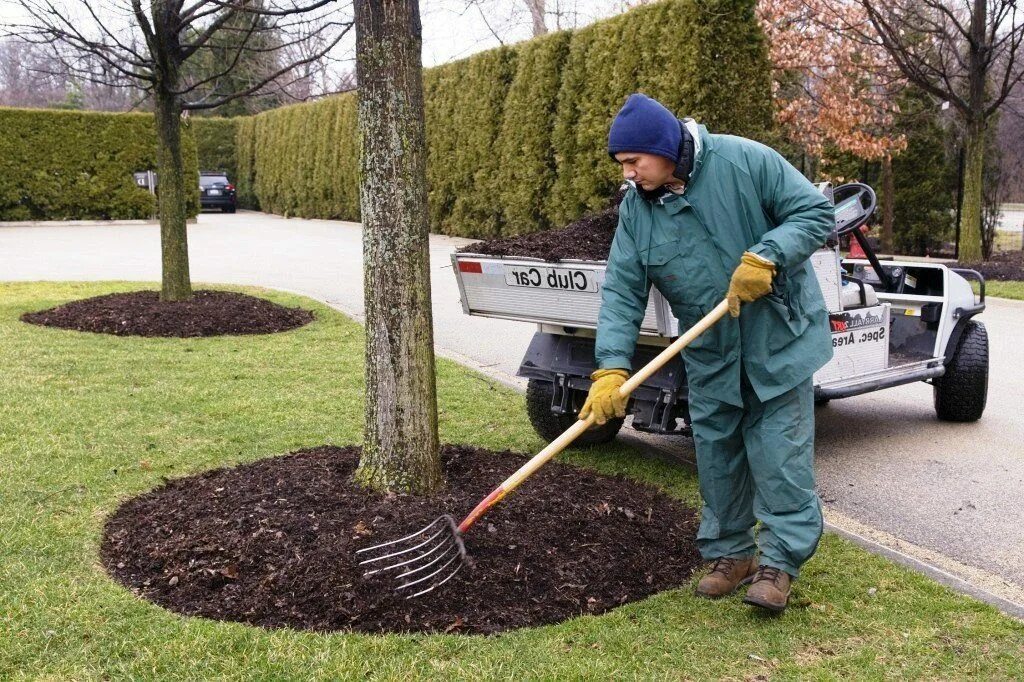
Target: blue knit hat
645 125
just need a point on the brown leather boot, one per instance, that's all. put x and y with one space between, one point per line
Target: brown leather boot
726 575
769 589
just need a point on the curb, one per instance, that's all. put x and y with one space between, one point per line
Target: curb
74 223
85 223
937 574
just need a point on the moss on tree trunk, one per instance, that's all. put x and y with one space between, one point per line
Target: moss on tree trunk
970 214
172 201
400 449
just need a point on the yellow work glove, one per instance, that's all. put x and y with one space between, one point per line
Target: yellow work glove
604 398
751 280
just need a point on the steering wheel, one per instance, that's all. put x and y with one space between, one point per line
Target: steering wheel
855 203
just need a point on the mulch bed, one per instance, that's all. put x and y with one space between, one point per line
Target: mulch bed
271 544
589 238
1006 265
142 313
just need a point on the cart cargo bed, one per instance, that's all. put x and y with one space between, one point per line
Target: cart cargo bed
566 293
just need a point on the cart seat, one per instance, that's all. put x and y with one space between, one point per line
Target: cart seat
857 294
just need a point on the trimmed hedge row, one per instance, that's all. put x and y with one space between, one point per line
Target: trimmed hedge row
215 144
517 135
71 165
302 161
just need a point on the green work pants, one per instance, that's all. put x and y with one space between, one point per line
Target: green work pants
756 463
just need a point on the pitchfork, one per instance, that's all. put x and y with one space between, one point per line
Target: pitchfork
430 557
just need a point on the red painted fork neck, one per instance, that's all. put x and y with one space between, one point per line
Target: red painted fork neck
479 510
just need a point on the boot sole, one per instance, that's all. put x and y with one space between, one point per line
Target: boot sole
774 608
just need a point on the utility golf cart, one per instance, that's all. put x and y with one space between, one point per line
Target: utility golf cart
892 322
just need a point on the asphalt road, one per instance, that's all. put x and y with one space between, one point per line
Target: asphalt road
888 471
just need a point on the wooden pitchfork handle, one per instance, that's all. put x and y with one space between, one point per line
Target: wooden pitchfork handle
573 432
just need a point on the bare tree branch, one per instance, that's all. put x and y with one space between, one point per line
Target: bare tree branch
270 78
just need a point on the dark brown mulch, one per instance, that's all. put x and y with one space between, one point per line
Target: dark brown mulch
1005 265
271 544
142 313
589 238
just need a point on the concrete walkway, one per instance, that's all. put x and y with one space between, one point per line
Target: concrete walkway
942 497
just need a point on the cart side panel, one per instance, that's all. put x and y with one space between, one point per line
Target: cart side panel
522 289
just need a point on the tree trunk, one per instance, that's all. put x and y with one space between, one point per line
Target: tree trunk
970 246
813 162
537 15
400 448
889 205
172 205
970 215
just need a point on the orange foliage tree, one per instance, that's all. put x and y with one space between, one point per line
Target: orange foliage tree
831 90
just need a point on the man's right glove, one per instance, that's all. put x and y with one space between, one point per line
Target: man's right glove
751 280
604 398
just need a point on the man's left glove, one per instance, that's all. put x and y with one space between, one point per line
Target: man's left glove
751 280
604 398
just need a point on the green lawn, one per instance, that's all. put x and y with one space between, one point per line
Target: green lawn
87 421
1011 289
1008 241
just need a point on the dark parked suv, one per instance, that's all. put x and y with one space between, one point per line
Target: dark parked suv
216 192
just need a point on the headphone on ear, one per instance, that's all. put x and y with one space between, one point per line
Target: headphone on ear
685 164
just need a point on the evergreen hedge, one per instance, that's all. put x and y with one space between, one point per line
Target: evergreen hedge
517 135
215 144
528 170
301 160
464 121
924 178
74 165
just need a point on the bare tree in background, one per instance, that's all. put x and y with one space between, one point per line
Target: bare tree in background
536 8
28 78
400 444
966 52
502 17
152 49
315 77
1011 134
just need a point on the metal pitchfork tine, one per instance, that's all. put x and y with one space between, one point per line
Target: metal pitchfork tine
407 555
443 539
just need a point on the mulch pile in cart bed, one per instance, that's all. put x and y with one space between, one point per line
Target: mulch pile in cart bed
589 238
272 544
142 313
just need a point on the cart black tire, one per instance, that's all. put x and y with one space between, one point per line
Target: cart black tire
550 426
961 393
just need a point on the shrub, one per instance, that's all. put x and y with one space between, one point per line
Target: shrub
216 143
74 165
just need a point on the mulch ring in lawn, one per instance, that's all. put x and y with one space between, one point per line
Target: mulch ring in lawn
1006 265
142 313
271 543
589 238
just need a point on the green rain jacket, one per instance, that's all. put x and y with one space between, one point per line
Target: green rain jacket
742 196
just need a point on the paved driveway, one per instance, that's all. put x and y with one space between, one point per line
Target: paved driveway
888 471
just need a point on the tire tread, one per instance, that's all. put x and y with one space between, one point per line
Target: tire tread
961 393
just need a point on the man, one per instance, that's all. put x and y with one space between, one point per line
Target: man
711 217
